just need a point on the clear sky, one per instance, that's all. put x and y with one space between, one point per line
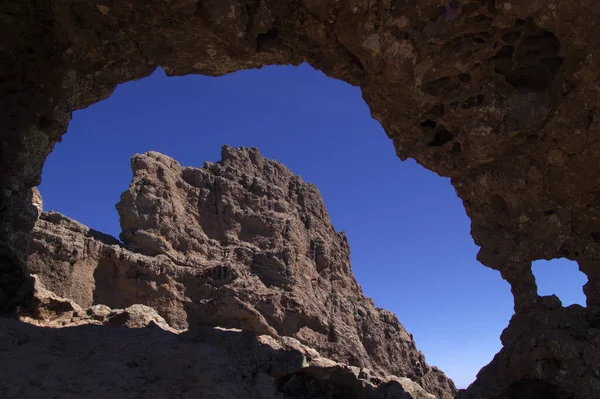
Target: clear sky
408 231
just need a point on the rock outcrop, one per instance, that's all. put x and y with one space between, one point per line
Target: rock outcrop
501 96
58 349
542 351
51 310
242 243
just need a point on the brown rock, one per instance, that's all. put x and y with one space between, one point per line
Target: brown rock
61 351
50 310
95 361
479 91
243 243
542 350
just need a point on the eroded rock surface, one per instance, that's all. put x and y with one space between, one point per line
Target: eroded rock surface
51 310
501 96
542 353
241 243
57 349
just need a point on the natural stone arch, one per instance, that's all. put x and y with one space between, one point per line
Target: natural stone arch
501 97
560 278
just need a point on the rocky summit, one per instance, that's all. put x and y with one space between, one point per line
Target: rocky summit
243 245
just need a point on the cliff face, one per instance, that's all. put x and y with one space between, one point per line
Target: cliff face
242 243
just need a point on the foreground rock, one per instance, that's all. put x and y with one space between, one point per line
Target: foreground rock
243 243
61 350
50 310
500 96
542 351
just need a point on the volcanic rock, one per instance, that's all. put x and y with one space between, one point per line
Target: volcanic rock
541 351
500 96
62 351
241 243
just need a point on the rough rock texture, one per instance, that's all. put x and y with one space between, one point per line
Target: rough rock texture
51 310
542 353
60 350
242 243
501 96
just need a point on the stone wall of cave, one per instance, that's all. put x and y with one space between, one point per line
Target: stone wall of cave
502 97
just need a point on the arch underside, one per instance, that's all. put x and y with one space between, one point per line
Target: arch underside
502 97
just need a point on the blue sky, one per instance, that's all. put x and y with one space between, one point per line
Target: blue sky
408 232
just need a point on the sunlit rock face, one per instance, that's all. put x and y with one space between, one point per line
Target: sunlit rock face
500 96
101 352
241 243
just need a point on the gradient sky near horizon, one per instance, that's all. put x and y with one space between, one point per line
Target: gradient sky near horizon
408 231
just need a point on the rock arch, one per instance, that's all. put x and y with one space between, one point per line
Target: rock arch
503 97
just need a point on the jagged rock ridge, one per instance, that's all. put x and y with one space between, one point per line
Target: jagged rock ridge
241 243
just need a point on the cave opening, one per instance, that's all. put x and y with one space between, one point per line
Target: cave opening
390 210
560 277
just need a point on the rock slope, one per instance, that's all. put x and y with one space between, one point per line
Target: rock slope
241 243
59 350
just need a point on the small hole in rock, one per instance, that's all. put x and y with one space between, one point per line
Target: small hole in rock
499 204
505 52
560 277
428 123
455 148
266 40
544 42
442 136
551 64
427 128
529 79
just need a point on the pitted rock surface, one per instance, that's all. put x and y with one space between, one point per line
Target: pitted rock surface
241 243
501 96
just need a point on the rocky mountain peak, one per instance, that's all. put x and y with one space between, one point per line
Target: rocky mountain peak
241 243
